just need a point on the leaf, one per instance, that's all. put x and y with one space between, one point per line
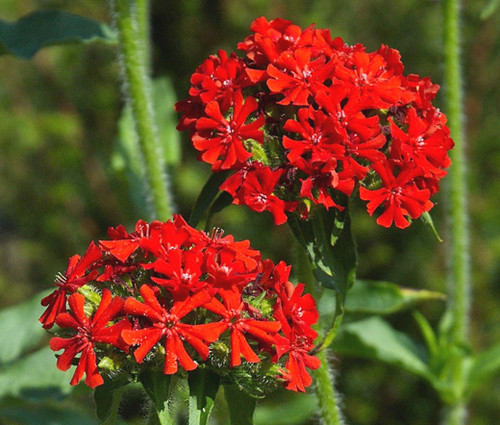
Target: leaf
240 405
206 197
157 387
296 409
490 9
107 398
47 27
375 339
483 367
23 413
35 377
203 387
376 297
20 323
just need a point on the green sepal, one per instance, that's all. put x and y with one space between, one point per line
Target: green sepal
47 27
203 387
427 219
240 405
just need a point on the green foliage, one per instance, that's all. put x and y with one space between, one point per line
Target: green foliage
35 377
482 368
21 413
240 405
41 28
374 297
24 331
375 339
203 387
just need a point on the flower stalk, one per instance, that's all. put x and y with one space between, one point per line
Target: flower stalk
130 23
459 280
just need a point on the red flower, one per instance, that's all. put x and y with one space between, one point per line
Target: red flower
232 311
68 283
320 141
167 324
256 192
222 140
400 196
89 332
296 76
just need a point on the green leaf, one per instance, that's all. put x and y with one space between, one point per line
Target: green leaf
20 323
482 368
376 297
328 241
107 398
295 409
375 339
157 387
35 377
43 28
240 405
490 9
203 387
207 197
23 413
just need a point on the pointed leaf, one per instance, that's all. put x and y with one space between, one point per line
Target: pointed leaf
206 197
240 405
157 387
483 367
20 324
377 297
107 398
203 387
375 339
41 28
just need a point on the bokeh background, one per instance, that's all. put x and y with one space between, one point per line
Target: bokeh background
63 181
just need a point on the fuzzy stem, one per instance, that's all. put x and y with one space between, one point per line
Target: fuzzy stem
323 376
136 85
459 280
325 391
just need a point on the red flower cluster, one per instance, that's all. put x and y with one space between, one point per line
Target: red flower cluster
303 117
172 292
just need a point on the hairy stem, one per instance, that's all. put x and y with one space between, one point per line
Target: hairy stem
134 60
324 385
459 280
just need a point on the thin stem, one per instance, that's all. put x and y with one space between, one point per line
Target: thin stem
459 280
324 380
136 85
325 391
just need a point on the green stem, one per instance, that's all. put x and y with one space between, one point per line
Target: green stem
324 380
325 392
134 52
459 281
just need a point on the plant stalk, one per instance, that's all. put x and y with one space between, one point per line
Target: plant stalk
324 379
130 23
459 279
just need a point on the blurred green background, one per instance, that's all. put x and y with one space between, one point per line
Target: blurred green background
63 179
